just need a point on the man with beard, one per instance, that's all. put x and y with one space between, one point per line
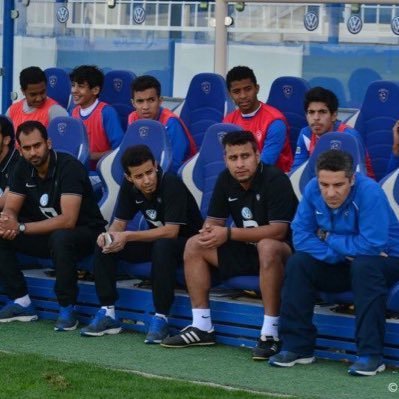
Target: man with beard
50 211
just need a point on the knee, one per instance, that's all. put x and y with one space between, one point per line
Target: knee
271 253
192 248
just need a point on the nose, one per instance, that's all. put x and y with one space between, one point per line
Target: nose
146 179
330 192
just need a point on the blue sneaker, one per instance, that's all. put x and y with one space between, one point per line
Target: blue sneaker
157 331
67 320
289 359
367 365
14 312
101 325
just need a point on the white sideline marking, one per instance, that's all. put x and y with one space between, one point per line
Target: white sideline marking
208 384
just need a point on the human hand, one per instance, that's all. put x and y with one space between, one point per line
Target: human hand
212 237
117 244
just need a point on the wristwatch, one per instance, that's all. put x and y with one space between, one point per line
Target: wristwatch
21 228
322 234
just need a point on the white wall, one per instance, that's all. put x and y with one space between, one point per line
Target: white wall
268 63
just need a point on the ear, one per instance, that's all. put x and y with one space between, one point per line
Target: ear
96 90
49 144
257 89
127 177
353 180
156 166
6 140
334 116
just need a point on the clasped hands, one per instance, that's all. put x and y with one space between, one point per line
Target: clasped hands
8 226
117 244
211 236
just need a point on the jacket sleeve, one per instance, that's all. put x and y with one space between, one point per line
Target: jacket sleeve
301 152
274 143
373 232
305 227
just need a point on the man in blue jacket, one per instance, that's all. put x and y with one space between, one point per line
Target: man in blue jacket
346 237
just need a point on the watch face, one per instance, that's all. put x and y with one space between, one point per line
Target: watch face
21 227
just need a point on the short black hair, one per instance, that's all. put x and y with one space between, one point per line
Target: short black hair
30 76
136 156
146 82
336 161
7 129
321 95
28 127
90 74
240 73
239 137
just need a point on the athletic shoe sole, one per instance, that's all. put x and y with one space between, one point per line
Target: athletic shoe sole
187 345
302 360
154 341
380 369
260 357
111 331
20 318
67 328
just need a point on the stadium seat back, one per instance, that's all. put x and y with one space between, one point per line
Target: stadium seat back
287 94
144 131
58 85
69 135
333 140
377 115
207 102
201 172
333 84
117 92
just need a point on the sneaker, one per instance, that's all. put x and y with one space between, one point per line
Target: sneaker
267 346
67 320
101 325
289 359
157 331
14 312
367 365
190 336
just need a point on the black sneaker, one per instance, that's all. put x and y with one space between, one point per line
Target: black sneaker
190 336
267 346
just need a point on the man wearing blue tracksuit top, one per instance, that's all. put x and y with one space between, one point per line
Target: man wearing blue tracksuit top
346 237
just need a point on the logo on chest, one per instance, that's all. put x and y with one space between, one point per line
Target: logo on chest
44 200
246 213
151 213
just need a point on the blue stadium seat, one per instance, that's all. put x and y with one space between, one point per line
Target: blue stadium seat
144 131
333 140
153 134
201 171
358 82
333 84
69 135
117 92
287 94
300 177
377 115
207 102
58 86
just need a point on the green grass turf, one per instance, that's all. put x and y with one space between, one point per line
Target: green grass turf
31 376
220 364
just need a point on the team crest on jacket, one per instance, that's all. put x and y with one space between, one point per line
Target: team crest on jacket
246 213
44 200
151 213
